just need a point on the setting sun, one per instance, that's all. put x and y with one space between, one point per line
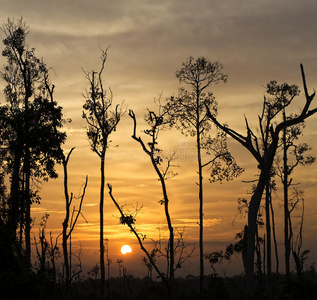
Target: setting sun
126 249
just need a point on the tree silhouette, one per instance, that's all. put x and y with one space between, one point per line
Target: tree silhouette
293 155
188 114
157 123
264 157
102 121
70 220
31 145
47 252
162 165
297 242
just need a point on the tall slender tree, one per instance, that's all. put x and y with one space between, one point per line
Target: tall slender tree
102 120
157 123
188 112
293 155
297 242
68 226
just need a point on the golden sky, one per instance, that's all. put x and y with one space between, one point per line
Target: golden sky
256 41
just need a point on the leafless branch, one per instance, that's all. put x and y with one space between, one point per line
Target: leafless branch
137 235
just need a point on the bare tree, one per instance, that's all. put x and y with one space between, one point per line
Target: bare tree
264 158
47 253
297 243
73 220
102 120
157 123
67 226
148 263
94 271
182 250
44 245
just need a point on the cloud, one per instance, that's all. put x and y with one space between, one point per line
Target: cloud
43 210
190 222
91 204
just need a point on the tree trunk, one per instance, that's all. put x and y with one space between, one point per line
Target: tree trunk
252 226
258 254
286 210
274 237
171 260
14 193
297 264
27 211
201 199
102 248
65 226
268 242
171 253
201 214
171 250
70 258
22 212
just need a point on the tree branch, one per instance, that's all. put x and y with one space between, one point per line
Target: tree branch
138 237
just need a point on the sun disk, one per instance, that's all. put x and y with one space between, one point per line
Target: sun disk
126 249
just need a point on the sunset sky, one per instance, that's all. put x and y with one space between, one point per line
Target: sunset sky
256 41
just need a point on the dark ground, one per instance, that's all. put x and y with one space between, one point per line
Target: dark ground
15 286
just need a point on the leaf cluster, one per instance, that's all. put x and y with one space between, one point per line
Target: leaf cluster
200 73
217 257
280 95
127 219
188 114
222 165
27 120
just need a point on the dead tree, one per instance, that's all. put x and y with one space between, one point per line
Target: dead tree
47 253
182 250
67 226
73 220
264 158
157 123
64 159
44 245
297 242
102 121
